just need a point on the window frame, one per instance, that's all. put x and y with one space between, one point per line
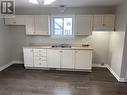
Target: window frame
62 16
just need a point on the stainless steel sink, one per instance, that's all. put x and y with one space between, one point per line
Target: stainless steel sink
61 46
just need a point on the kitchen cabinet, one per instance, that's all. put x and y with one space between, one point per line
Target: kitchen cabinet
54 58
29 22
104 22
15 20
41 25
84 24
40 57
37 24
83 59
28 57
63 59
67 59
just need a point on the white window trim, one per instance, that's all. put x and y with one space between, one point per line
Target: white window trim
64 16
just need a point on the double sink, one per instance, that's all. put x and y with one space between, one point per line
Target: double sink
61 46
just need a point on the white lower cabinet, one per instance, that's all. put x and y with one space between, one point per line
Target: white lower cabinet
58 58
83 59
28 57
40 57
67 59
54 57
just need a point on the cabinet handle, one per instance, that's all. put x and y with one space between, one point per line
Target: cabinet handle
76 51
104 24
14 22
61 51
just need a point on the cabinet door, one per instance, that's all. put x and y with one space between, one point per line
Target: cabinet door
104 22
108 21
20 20
84 24
41 25
98 22
67 59
29 21
83 59
10 21
16 20
54 57
28 57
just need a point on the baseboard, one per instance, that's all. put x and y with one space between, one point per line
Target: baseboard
17 62
115 75
99 65
6 66
111 70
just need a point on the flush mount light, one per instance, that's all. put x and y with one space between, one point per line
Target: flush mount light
33 1
46 2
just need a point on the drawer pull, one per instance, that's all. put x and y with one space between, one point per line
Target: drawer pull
76 51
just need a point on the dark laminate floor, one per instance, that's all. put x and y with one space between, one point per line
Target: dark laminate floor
15 80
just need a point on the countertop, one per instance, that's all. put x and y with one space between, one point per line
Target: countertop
50 47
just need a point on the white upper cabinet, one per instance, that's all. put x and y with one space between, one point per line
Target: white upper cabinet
104 22
16 20
41 25
84 24
37 24
29 22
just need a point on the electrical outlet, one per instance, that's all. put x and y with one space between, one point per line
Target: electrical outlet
102 64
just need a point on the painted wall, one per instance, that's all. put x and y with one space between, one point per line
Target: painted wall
123 10
5 44
116 51
69 10
118 45
99 41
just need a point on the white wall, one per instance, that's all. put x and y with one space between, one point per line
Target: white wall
98 40
118 45
68 10
116 51
5 44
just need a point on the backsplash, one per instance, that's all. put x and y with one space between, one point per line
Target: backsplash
51 40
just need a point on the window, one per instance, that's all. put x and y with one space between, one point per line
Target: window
62 26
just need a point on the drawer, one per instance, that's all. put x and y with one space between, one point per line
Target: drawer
37 58
40 54
36 54
40 58
40 64
43 58
39 50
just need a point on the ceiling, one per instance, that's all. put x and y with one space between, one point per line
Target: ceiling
72 3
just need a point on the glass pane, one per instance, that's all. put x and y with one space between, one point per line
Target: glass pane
58 26
68 26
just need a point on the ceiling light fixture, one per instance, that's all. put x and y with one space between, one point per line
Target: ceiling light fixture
46 2
33 1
